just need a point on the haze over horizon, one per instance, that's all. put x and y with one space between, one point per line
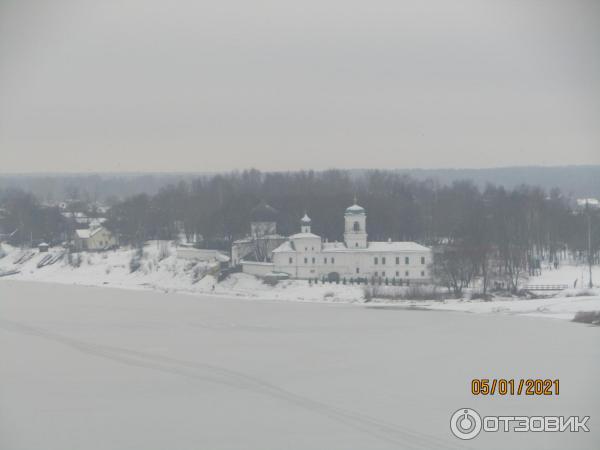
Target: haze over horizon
299 169
153 86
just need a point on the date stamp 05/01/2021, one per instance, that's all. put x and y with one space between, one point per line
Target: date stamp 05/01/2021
511 386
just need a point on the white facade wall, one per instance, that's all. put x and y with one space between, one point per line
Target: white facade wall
239 250
200 254
300 264
258 269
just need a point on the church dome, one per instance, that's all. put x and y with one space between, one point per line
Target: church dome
305 219
355 209
263 212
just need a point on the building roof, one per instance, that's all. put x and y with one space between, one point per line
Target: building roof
304 236
355 209
74 215
284 247
592 202
265 237
86 233
373 247
397 246
263 212
377 247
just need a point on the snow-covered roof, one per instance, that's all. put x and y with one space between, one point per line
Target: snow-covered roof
285 247
588 202
245 240
398 246
305 218
304 236
97 221
355 209
256 263
373 247
249 239
221 257
74 214
86 233
334 246
377 247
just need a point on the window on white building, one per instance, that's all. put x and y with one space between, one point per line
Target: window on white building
376 260
305 260
422 260
406 260
313 260
383 260
422 273
356 244
325 260
357 270
406 274
397 273
332 260
397 260
383 273
291 260
376 273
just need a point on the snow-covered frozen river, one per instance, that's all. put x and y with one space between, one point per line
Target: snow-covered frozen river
99 368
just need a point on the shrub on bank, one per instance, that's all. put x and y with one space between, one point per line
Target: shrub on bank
416 292
136 260
592 317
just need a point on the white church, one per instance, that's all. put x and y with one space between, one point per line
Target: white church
305 255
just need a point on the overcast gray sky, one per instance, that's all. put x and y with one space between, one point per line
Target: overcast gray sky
161 85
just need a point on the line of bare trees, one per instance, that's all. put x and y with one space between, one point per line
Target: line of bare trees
492 234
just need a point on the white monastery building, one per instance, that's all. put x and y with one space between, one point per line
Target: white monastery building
306 255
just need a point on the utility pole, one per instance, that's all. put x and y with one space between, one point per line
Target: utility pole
586 205
589 220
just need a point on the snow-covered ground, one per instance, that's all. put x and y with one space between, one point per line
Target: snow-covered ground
91 368
164 272
168 273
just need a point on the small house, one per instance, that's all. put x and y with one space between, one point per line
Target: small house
94 239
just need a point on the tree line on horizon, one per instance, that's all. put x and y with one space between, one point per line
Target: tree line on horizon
471 225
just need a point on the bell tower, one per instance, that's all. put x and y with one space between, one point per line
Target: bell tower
355 230
305 224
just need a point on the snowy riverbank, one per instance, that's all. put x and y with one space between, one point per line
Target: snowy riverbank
160 269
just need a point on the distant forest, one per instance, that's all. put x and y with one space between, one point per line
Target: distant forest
573 181
490 231
399 207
